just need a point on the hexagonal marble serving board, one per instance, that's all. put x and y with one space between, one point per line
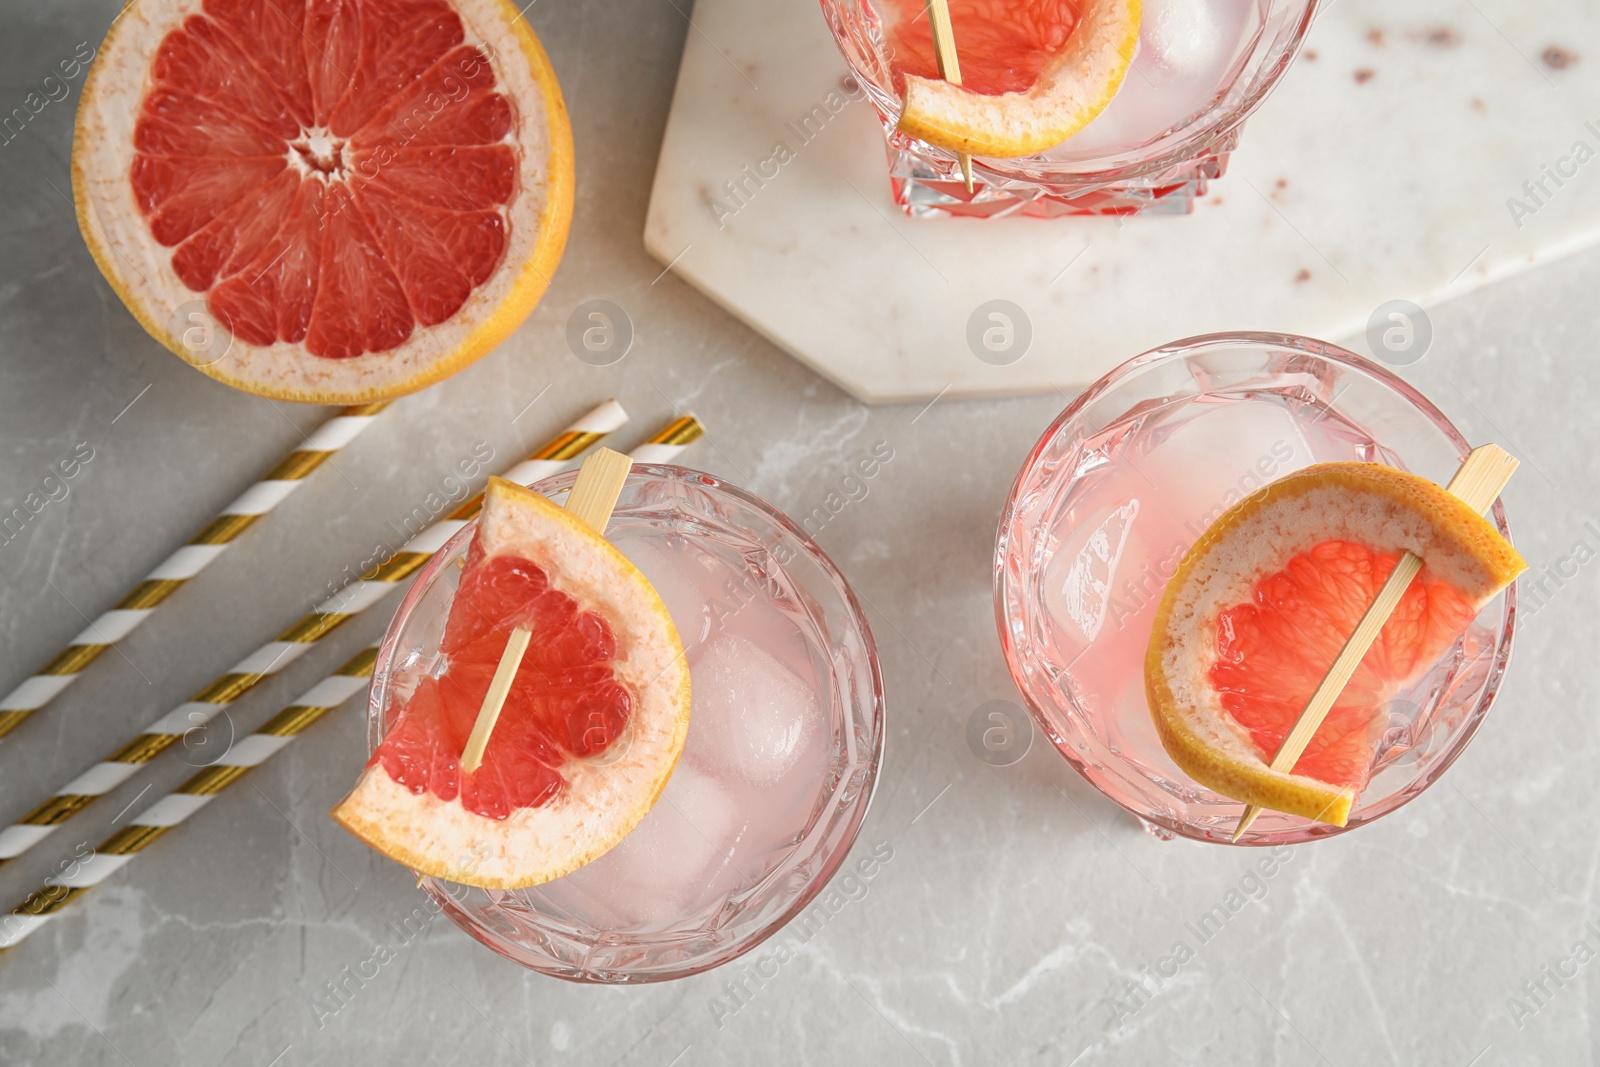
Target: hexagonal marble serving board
1404 156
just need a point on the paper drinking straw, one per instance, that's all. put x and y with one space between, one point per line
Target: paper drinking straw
668 441
185 563
46 902
290 645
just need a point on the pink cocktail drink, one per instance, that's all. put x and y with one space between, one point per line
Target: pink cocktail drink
1125 482
754 765
784 743
1187 51
1186 48
1129 522
1200 68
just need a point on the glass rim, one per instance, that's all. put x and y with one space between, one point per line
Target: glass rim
1202 134
1499 657
845 835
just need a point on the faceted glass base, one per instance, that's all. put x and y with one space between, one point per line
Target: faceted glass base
930 187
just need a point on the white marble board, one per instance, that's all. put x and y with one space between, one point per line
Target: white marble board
1384 166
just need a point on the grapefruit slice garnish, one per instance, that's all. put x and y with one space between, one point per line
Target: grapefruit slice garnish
1261 605
590 731
324 201
1032 74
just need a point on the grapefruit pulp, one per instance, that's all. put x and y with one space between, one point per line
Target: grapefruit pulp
1260 607
591 729
357 197
1033 72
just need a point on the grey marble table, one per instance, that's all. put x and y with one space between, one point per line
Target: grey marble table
1022 917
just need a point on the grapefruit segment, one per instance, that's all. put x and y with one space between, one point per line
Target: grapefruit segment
411 157
277 38
179 124
359 305
228 243
1260 607
181 196
593 724
200 60
1003 45
272 295
399 42
439 256
461 89
452 177
333 45
1032 74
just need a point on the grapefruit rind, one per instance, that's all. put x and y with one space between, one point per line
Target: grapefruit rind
604 798
140 270
1070 92
1382 507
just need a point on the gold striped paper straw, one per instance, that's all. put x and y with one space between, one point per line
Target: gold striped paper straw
668 441
291 644
46 902
188 561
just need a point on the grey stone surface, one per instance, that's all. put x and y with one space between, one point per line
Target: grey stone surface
1018 905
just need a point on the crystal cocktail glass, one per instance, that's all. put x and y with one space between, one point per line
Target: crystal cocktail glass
1168 131
1123 483
785 741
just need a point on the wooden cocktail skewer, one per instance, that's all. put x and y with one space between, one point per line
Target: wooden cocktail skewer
499 688
593 496
944 44
1486 471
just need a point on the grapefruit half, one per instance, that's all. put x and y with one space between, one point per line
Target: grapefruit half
1262 604
324 200
590 732
1032 73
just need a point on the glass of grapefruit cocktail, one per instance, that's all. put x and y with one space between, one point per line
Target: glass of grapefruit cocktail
1200 67
1117 492
785 739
